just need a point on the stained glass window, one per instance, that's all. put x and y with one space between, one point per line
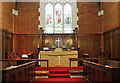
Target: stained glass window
67 18
49 18
58 18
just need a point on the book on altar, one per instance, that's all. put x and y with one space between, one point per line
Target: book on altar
45 48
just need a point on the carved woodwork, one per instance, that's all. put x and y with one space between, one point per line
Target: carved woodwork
111 43
90 44
25 61
7 42
11 55
99 73
65 39
24 72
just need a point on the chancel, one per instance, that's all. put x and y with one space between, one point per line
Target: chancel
60 41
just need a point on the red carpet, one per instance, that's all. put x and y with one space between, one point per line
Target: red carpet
60 80
58 71
59 75
59 68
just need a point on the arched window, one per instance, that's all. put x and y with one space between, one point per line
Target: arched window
49 18
67 18
58 18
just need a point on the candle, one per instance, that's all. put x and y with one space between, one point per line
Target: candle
38 46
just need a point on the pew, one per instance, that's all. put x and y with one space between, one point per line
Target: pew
23 73
95 72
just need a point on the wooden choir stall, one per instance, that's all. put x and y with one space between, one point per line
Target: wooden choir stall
24 73
95 72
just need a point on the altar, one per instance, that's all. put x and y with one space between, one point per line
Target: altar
59 58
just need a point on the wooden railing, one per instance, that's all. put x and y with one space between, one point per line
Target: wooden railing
95 72
26 60
81 59
23 73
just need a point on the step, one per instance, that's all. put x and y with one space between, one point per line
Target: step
75 71
60 80
41 73
59 71
59 75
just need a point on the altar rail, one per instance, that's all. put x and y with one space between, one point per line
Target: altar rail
26 60
23 73
95 72
100 60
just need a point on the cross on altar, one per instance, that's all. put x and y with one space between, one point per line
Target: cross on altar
58 41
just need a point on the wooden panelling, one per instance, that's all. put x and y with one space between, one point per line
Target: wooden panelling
110 17
0 14
27 37
89 44
111 29
1 43
111 43
7 42
67 40
99 73
88 20
7 17
7 27
20 73
119 29
107 45
119 13
27 20
26 43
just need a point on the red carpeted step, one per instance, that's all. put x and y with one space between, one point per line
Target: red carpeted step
42 73
59 75
59 71
60 80
58 68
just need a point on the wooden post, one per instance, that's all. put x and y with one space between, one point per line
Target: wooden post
111 39
76 38
41 39
102 31
70 64
13 32
47 64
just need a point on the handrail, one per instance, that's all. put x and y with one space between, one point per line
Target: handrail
27 60
20 65
81 59
24 72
